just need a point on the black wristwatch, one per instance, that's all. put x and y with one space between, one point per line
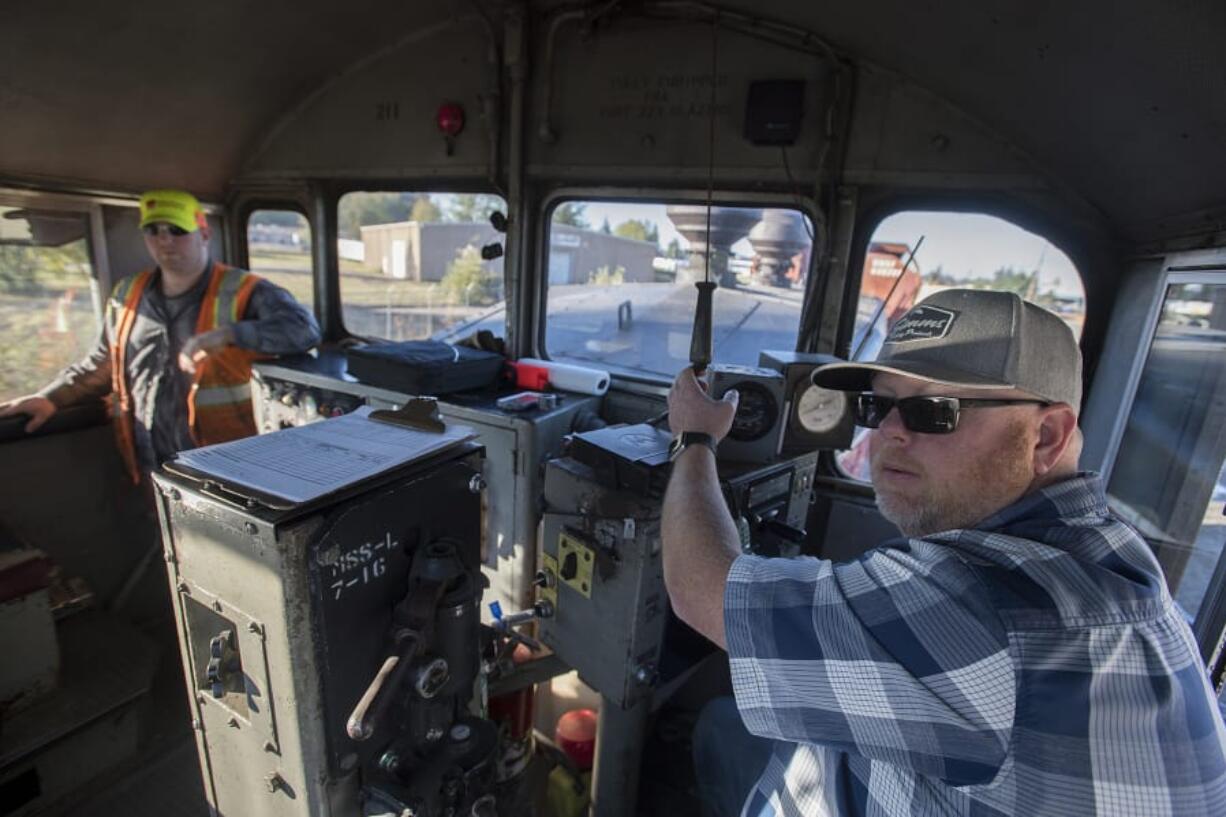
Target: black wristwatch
686 439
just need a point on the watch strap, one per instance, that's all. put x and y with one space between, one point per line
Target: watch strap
687 438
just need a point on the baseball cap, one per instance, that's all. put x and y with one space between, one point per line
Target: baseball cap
974 339
175 207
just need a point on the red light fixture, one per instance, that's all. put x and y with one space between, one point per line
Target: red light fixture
450 121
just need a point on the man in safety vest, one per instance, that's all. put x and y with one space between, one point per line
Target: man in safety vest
177 345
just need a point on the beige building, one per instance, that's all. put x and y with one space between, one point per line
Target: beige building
422 251
576 254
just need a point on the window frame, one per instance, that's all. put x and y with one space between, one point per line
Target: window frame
89 207
645 384
869 218
242 250
331 308
868 221
1173 274
77 417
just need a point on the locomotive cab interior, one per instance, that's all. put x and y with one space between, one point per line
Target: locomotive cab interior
545 181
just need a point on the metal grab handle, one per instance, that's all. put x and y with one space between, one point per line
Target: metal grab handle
221 662
374 702
625 315
700 340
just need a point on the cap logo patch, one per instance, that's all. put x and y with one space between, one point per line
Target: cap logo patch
922 323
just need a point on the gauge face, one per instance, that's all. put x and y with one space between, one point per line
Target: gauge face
755 412
818 410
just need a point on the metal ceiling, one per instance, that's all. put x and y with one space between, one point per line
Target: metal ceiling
1125 101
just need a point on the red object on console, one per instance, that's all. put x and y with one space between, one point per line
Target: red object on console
575 735
530 377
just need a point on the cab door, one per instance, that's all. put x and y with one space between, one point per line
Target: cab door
1167 456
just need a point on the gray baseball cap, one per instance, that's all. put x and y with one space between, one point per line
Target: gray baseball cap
974 339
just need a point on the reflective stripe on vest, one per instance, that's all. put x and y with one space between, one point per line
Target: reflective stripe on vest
220 395
120 293
225 307
121 316
219 403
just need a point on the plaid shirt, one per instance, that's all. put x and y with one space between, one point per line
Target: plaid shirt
1034 665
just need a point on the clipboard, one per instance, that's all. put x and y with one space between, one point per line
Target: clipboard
240 496
257 502
297 466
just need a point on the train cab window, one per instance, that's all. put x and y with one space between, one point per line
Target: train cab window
279 249
414 265
49 298
916 253
1168 478
621 282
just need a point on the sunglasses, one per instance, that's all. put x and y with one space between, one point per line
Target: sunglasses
154 230
923 414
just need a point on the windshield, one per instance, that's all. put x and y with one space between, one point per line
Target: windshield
621 281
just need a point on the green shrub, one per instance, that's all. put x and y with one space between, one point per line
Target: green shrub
603 276
467 280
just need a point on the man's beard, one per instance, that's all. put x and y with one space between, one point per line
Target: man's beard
987 484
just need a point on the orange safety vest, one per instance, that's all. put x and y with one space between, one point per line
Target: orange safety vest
219 402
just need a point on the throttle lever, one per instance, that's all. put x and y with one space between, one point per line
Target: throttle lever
374 702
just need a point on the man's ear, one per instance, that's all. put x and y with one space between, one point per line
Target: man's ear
206 232
1057 431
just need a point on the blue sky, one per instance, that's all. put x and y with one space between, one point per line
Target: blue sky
975 246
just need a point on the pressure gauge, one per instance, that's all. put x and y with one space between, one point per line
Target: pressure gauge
818 410
817 417
757 412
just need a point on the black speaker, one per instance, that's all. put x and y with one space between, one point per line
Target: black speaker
773 112
815 417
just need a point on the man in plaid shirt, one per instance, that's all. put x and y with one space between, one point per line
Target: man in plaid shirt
1017 653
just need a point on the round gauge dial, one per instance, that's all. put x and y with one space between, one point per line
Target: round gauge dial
755 412
818 410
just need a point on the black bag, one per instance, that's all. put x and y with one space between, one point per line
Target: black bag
428 367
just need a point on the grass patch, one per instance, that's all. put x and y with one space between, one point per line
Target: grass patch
372 303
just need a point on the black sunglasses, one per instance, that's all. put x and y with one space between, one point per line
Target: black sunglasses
923 414
152 230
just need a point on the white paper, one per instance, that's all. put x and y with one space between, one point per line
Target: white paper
307 462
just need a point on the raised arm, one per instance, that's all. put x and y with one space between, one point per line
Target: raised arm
700 539
275 323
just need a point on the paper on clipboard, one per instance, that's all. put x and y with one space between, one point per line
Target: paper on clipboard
305 463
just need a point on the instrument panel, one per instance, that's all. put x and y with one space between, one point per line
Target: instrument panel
758 423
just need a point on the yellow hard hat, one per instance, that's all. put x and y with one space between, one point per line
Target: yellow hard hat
175 207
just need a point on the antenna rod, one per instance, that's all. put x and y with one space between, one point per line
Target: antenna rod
701 339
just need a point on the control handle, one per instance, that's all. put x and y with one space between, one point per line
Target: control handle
374 702
700 340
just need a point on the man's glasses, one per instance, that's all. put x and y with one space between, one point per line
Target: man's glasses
923 414
154 230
